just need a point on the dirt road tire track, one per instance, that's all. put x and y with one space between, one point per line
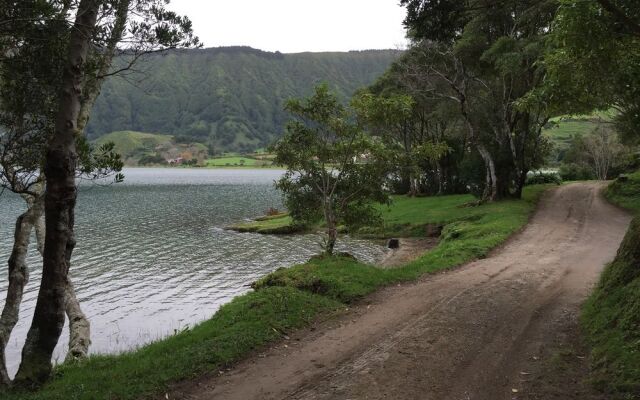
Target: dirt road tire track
485 331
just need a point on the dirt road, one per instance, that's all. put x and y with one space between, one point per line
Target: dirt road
490 330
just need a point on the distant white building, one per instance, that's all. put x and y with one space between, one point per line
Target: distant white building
175 161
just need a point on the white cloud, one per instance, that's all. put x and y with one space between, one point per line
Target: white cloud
293 26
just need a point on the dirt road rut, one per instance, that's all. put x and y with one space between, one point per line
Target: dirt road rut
482 332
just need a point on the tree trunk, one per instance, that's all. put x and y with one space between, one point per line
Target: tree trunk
414 189
491 191
332 229
79 326
18 278
521 181
60 198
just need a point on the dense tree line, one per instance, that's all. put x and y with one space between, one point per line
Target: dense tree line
468 71
485 77
229 98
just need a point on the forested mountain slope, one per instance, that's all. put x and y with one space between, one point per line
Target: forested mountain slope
229 98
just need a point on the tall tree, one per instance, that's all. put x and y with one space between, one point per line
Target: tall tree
60 197
494 48
103 30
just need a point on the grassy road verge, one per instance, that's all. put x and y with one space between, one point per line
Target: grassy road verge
611 316
289 299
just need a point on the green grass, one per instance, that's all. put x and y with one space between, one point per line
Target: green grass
130 143
406 216
564 128
288 299
277 224
231 161
245 324
625 194
611 316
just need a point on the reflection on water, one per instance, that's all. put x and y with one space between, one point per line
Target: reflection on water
152 256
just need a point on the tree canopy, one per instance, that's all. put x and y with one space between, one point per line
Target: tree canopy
335 171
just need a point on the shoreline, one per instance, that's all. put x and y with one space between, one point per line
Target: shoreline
291 299
203 168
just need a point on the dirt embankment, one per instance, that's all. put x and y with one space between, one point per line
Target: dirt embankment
499 328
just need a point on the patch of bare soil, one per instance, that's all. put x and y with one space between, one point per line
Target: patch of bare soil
500 328
409 250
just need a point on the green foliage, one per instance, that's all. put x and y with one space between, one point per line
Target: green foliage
397 121
477 229
593 61
576 172
435 20
611 316
152 159
478 60
411 216
562 130
625 192
274 225
597 154
98 162
131 144
339 278
231 98
334 170
543 178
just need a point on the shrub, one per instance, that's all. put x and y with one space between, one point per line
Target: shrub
543 178
575 172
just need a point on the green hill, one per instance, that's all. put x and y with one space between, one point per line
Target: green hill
561 130
140 148
131 144
229 98
134 145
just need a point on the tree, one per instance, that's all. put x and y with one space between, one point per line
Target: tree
600 151
487 53
593 61
84 55
403 130
335 171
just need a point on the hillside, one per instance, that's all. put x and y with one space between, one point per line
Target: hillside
139 148
228 98
561 130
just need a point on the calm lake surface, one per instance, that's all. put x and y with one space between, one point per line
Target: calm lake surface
152 256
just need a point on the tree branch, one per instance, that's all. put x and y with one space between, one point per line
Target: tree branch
619 14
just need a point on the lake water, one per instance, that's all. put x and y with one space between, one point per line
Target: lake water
152 256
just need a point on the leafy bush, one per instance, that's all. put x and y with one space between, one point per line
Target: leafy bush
544 178
576 172
152 159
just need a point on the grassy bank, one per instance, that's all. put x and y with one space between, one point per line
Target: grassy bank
611 317
406 217
269 224
289 299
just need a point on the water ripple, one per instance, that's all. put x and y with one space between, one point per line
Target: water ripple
152 256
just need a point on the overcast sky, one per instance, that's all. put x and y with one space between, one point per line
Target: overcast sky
293 26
